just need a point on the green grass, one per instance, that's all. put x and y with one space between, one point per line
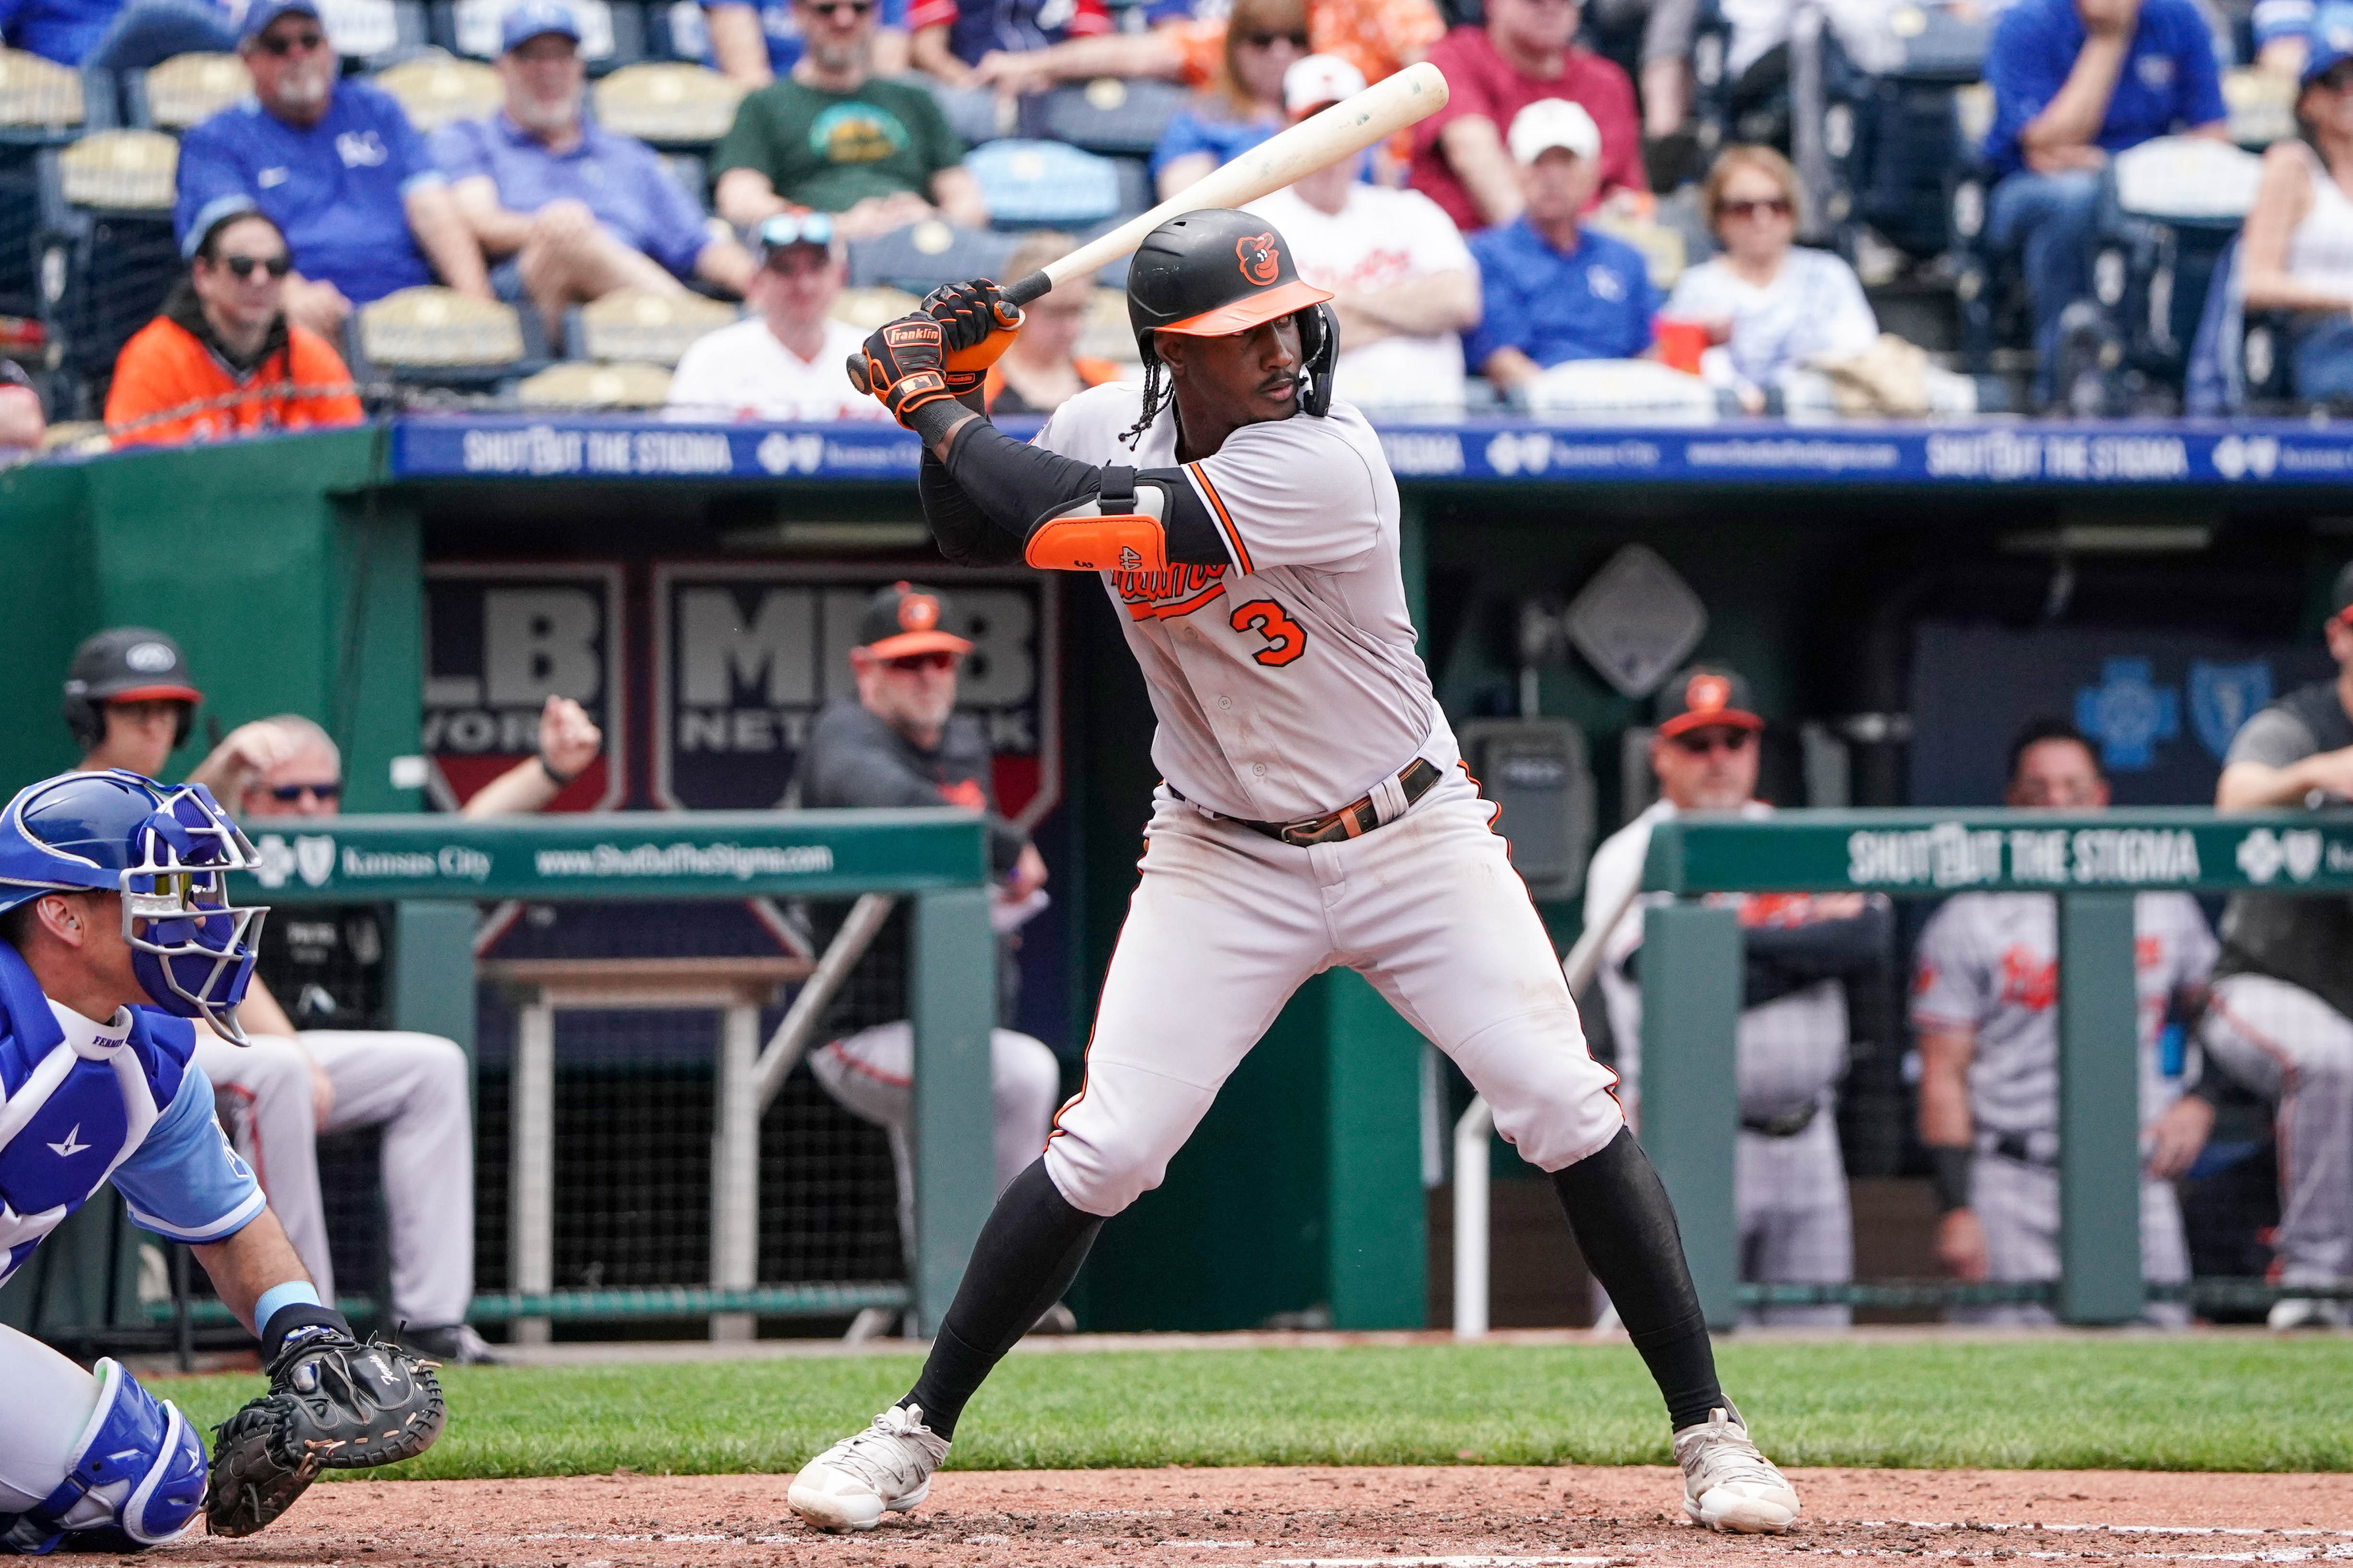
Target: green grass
2136 1404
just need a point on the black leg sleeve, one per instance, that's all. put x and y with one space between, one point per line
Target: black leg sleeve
1026 1255
1626 1227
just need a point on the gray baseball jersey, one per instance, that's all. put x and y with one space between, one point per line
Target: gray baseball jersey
1988 962
1286 681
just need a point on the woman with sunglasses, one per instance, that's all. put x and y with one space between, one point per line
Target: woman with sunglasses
222 360
1772 306
1243 106
2295 253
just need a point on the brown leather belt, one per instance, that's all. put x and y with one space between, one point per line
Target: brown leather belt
1350 821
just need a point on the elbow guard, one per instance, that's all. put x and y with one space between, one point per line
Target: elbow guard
1122 527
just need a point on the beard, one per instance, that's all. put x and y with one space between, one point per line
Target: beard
546 114
304 88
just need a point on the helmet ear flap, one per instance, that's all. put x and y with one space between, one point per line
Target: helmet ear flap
1319 351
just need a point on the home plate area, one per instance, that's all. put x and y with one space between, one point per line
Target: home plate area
1460 1517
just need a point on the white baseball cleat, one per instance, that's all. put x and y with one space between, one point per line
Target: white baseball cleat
888 1467
1727 1484
2292 1312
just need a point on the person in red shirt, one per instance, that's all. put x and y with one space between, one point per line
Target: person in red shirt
222 360
1524 54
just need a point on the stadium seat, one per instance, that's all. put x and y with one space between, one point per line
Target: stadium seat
1116 118
184 90
867 309
42 103
432 336
574 384
105 252
670 103
2240 361
2262 105
436 89
611 35
1044 185
977 114
1663 251
923 255
375 33
648 329
1895 129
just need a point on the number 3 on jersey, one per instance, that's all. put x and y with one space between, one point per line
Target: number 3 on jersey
1286 639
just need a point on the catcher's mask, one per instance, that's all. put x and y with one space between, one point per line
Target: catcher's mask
1215 272
168 850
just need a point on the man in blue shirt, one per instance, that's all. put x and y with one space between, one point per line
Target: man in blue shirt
577 211
1554 292
2075 81
336 166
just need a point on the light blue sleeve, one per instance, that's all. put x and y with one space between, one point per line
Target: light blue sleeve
184 1182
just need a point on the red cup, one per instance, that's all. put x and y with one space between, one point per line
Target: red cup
1680 343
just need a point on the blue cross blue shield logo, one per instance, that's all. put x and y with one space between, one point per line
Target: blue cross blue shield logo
2127 714
2224 696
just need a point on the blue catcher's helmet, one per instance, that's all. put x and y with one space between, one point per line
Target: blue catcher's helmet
167 849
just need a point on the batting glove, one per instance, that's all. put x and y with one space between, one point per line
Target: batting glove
903 367
977 320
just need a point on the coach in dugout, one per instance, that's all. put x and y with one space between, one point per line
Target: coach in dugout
2280 1017
1795 1225
319 1061
901 743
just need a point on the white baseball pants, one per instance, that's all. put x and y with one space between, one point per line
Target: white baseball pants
1227 923
2295 1049
2018 1203
48 1401
415 1088
871 1075
1795 1225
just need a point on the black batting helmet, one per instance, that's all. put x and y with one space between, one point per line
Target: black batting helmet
1218 271
126 664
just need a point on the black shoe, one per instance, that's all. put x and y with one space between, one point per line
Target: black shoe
451 1344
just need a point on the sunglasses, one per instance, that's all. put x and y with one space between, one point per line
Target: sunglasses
284 44
786 230
1268 40
290 793
1779 206
1701 743
243 265
918 663
858 9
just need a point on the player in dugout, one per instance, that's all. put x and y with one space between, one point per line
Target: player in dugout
900 744
116 930
2280 1017
320 1060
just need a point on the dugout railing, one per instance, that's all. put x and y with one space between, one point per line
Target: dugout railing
2094 864
439 872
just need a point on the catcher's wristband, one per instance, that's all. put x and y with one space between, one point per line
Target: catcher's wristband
1949 1169
296 1321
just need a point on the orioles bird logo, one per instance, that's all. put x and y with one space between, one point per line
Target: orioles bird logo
918 613
1706 693
1262 263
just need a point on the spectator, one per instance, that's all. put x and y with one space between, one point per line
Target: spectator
1264 39
1790 1179
2075 81
1772 306
113 35
1379 38
1985 1015
576 211
222 360
336 166
785 361
1040 370
901 743
1402 283
1525 54
22 425
2296 251
756 44
2282 1016
950 37
830 136
1553 290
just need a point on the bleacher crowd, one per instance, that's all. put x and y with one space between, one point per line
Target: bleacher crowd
223 215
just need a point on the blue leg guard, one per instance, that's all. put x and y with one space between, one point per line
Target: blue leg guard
136 1477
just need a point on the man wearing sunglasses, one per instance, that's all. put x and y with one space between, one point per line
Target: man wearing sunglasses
784 362
901 743
222 360
335 165
1790 1177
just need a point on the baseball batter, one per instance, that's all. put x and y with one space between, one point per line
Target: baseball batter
1314 815
1984 1010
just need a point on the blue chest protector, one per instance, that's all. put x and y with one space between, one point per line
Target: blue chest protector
141 1114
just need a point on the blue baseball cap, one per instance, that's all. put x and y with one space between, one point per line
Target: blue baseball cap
533 18
2330 43
261 13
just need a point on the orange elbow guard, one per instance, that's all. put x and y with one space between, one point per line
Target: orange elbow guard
1088 538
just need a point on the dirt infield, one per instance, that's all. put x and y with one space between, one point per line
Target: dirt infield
1468 1517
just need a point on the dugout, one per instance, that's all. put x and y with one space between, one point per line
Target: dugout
1834 567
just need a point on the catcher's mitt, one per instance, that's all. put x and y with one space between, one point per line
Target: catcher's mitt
334 1404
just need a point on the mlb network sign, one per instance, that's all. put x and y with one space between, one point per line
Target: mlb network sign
500 641
746 656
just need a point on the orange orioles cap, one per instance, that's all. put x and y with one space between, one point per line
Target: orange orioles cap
1702 695
905 619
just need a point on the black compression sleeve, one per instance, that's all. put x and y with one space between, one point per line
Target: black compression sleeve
964 533
1013 485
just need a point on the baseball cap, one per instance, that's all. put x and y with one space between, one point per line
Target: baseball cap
130 664
786 230
1702 695
532 17
904 619
264 12
2330 43
1318 80
1551 122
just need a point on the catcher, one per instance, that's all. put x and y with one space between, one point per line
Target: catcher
116 929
